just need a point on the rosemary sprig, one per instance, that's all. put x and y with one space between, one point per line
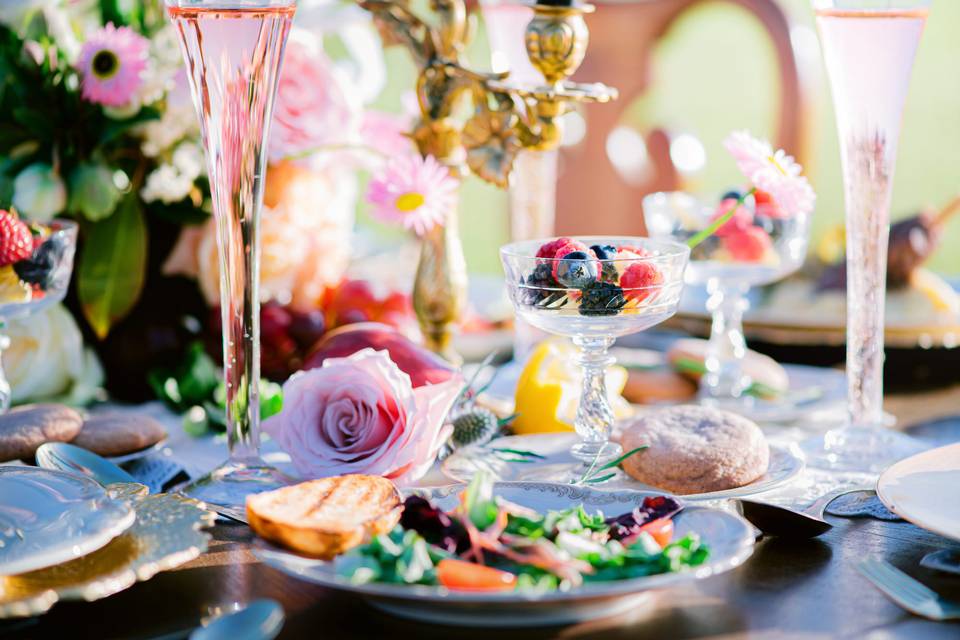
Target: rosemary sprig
591 475
756 389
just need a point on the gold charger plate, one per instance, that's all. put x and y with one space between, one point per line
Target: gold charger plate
166 534
827 334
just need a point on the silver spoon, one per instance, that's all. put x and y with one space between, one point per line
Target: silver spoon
775 520
61 456
259 620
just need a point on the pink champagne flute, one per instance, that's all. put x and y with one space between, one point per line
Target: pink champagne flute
233 50
869 48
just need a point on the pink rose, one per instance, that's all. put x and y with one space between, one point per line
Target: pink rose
361 414
313 108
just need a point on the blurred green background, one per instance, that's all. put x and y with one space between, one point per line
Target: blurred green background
715 71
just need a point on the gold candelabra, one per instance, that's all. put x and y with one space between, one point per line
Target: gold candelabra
478 122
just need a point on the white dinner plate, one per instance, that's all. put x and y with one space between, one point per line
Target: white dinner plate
728 536
785 464
925 489
50 517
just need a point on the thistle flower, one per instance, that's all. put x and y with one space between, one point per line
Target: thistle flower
413 191
112 62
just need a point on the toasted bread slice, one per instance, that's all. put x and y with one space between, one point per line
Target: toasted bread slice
324 518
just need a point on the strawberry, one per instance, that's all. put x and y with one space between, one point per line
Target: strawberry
639 281
16 241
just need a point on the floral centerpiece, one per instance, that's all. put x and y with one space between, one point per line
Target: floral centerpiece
96 124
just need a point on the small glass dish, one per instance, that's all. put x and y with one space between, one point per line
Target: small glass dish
758 246
633 285
35 283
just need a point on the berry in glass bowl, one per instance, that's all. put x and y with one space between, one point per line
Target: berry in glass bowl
594 290
36 261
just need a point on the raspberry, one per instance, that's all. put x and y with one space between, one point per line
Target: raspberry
549 249
640 280
16 241
748 245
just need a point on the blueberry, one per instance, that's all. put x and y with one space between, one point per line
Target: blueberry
604 252
731 195
576 270
40 267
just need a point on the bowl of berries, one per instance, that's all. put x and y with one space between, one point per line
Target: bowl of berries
36 261
593 290
757 242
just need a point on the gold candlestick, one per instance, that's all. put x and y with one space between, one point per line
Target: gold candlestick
503 119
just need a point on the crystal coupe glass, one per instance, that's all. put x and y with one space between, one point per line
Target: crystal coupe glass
766 247
233 50
45 283
869 48
593 302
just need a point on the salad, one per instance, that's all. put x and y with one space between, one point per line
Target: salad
489 544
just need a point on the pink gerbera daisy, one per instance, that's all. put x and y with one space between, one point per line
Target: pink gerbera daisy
413 191
112 62
771 171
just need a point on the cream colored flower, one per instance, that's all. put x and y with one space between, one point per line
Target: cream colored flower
46 358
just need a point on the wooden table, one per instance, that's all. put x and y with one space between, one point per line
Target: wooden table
787 589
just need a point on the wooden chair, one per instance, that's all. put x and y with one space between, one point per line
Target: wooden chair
623 34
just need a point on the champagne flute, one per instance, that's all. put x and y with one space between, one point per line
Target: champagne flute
233 51
869 48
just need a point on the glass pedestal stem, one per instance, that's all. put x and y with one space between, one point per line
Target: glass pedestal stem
5 392
724 377
594 420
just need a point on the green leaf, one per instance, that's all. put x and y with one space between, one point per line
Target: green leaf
121 12
114 128
113 266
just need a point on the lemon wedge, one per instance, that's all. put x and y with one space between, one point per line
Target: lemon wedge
548 390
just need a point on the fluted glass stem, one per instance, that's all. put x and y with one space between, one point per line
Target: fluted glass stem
594 420
724 378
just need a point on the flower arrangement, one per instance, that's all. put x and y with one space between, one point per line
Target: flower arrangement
98 125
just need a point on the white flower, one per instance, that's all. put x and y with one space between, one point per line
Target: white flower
46 359
173 182
772 171
39 193
176 123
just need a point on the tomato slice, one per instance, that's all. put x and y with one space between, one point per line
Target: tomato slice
467 576
661 529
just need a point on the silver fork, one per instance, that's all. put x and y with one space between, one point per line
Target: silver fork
907 592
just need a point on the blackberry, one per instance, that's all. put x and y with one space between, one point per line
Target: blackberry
476 426
39 267
540 287
601 299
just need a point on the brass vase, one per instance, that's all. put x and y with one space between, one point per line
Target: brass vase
440 287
